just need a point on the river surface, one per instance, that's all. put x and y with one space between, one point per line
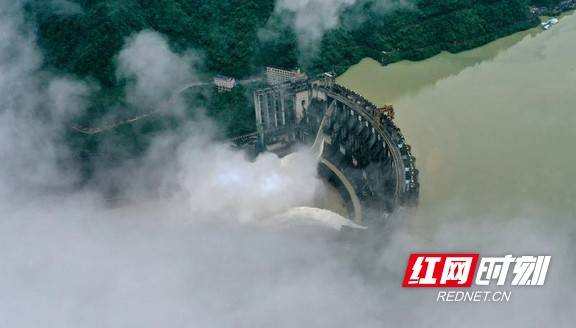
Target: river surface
493 129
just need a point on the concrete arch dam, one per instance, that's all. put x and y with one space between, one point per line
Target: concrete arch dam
360 150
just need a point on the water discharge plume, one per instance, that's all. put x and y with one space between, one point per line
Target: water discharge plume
313 217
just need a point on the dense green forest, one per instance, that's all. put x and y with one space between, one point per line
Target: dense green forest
545 3
418 34
229 32
239 38
86 43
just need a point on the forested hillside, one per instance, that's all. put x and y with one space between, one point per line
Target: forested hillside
229 32
85 43
451 25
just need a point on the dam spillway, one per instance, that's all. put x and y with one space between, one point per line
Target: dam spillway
360 150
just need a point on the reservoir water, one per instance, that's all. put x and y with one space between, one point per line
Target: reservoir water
493 129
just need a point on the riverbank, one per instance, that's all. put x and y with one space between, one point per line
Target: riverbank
385 84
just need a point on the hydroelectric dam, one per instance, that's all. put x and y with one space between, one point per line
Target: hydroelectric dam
360 150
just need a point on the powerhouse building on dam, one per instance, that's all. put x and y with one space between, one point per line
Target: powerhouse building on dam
360 150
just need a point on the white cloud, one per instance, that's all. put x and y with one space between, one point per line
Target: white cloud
154 72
